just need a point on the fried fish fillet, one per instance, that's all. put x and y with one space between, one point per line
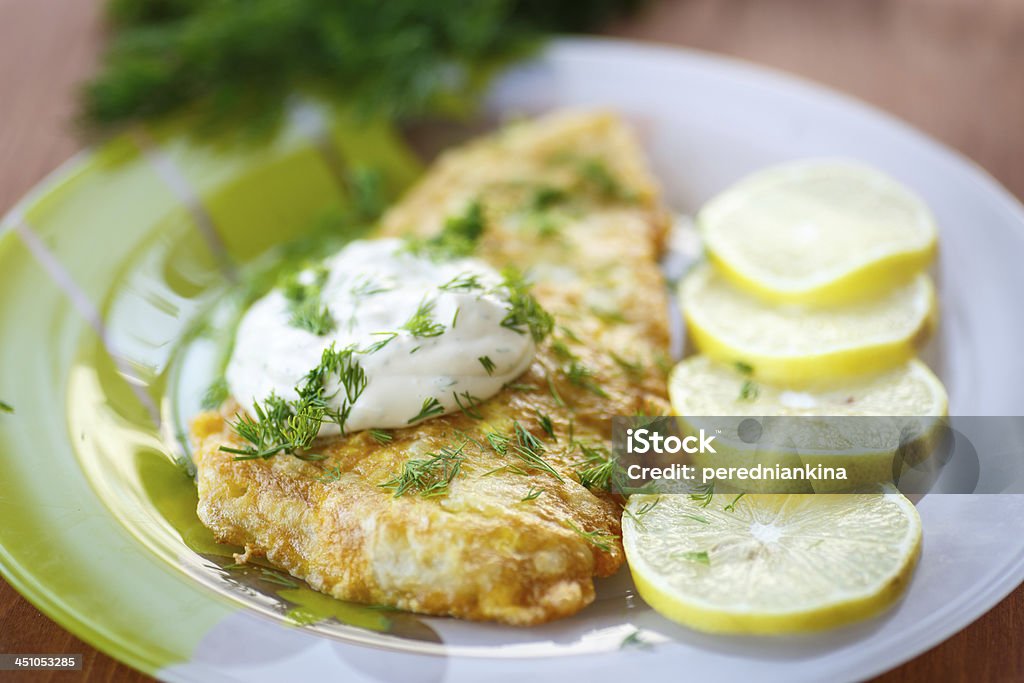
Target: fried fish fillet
567 198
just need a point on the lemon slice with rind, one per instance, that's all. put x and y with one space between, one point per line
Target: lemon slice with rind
878 428
771 564
794 345
818 232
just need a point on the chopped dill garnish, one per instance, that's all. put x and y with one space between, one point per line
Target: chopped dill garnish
422 323
366 286
545 423
215 394
431 407
731 507
468 403
6 407
602 540
647 507
632 368
547 196
455 317
381 436
386 338
700 556
511 468
608 315
644 509
580 375
283 426
302 290
530 449
596 176
499 442
525 314
487 363
634 639
743 368
554 393
562 350
569 334
274 577
457 239
430 476
703 494
462 282
600 467
312 316
532 494
330 475
749 390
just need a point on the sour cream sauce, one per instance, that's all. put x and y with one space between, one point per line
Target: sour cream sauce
375 287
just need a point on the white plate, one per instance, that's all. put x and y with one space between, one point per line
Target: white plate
706 122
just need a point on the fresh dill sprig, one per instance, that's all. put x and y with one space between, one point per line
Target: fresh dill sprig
458 238
642 511
283 426
487 363
6 407
595 176
463 282
703 494
580 375
302 290
608 315
633 368
525 314
562 350
532 494
276 578
422 323
635 639
731 507
546 424
330 475
386 338
431 406
743 368
367 286
602 540
530 450
237 70
468 403
431 476
546 196
520 386
381 436
600 467
749 390
699 556
499 442
554 393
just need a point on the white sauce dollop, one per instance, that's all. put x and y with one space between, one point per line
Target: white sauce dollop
271 355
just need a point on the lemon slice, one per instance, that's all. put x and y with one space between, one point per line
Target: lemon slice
771 564
818 232
700 386
793 345
877 428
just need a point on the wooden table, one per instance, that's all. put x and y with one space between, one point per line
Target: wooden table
954 68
